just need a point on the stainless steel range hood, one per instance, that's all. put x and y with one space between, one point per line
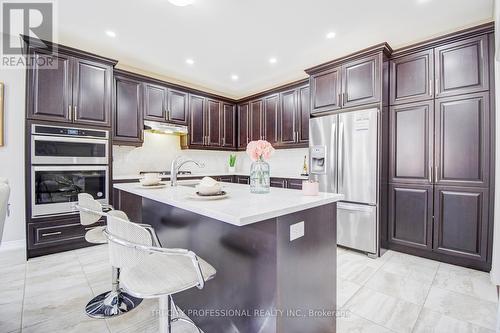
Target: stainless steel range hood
164 128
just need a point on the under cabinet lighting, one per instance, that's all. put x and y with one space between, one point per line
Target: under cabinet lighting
189 61
110 33
273 60
331 35
234 77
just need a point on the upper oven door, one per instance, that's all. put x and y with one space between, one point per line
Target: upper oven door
68 150
55 189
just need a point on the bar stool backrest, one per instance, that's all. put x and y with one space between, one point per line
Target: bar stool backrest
120 255
90 209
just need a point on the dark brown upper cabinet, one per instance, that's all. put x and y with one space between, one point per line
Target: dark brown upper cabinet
228 125
462 67
410 215
197 123
155 99
243 125
177 110
213 123
288 117
412 78
460 222
361 82
411 143
326 90
270 119
256 109
128 111
49 91
462 140
78 91
303 114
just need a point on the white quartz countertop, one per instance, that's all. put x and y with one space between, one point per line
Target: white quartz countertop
212 173
240 208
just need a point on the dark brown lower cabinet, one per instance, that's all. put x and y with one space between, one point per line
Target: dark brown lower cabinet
445 223
410 215
242 179
294 184
278 182
460 226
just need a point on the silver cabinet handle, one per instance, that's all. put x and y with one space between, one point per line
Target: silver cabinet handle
52 233
70 114
437 88
339 102
74 112
430 87
430 173
436 174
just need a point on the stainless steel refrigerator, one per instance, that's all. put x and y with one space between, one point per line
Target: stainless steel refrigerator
344 158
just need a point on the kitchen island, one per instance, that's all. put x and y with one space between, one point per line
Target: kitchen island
275 254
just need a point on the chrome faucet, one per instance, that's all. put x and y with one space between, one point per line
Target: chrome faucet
176 165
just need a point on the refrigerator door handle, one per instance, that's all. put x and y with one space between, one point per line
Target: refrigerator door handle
341 159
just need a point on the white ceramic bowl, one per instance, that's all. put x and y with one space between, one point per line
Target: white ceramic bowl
149 181
207 190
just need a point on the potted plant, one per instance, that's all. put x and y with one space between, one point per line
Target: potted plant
259 151
232 163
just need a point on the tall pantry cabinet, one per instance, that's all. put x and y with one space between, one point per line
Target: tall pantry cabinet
441 148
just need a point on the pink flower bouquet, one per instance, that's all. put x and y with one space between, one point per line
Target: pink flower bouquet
260 149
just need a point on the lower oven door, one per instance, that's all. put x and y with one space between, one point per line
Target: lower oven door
55 189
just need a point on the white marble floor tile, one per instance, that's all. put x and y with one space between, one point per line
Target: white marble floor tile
399 286
141 316
345 290
355 324
419 269
390 312
466 281
462 307
10 316
434 322
12 257
357 267
75 322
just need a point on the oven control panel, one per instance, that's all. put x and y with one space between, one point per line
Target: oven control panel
69 131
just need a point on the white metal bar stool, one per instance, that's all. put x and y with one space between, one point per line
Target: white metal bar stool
149 271
114 302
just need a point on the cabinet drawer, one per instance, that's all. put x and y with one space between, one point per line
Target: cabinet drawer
295 184
242 180
278 182
52 234
226 179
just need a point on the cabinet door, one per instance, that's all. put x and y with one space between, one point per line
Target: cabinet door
92 93
361 83
412 78
410 215
288 118
127 111
294 184
197 120
228 125
461 221
270 119
462 140
412 142
243 125
256 120
178 107
155 99
214 123
242 180
49 90
325 91
462 67
303 114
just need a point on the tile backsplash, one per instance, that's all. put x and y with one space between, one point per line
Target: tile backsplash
159 150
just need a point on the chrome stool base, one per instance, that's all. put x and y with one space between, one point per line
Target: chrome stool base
111 304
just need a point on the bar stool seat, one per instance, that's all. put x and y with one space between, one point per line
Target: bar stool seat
96 235
160 274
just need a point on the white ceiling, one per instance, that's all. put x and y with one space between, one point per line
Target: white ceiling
226 37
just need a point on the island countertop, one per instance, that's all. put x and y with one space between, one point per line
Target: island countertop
240 208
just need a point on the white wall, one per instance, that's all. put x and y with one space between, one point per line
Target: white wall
159 150
12 153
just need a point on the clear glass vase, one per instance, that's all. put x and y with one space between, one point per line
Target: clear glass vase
259 177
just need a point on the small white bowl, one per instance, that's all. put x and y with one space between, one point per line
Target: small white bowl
207 190
149 181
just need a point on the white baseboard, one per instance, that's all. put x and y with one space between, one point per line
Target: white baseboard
12 245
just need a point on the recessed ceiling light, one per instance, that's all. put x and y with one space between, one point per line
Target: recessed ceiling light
234 77
189 61
181 3
273 60
110 33
423 1
331 35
